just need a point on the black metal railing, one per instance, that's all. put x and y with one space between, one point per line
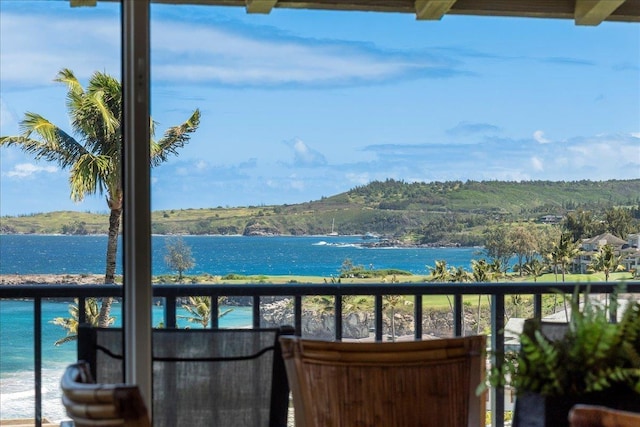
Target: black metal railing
172 293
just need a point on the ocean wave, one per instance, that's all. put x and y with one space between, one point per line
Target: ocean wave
17 395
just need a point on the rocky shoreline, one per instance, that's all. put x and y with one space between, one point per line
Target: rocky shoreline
51 279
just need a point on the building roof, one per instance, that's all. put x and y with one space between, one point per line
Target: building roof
608 237
583 12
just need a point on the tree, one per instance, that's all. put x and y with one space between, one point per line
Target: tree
481 272
563 253
534 268
582 224
606 261
199 308
499 244
391 303
441 273
524 244
94 155
92 313
619 222
178 256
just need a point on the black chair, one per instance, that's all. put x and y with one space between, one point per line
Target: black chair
218 377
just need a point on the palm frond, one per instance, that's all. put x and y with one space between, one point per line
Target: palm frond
89 175
174 138
67 77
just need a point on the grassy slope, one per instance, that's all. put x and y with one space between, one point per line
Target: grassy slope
390 207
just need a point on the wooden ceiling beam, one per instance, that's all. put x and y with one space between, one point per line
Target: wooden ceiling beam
260 6
432 9
80 3
593 12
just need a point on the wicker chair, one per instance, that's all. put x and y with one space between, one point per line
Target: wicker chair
600 416
101 405
402 384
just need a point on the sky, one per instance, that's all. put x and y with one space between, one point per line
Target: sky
299 105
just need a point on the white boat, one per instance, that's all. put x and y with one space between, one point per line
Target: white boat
333 233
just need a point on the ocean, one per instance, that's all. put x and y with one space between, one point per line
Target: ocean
216 255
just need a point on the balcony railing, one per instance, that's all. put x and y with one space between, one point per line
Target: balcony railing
171 294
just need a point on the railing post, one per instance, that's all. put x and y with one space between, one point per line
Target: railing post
297 314
215 308
417 316
82 310
170 312
497 348
458 313
37 357
256 311
338 316
537 306
378 317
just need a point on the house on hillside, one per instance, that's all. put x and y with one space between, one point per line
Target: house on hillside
591 246
631 254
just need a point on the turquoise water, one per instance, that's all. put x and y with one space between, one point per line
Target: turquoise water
218 255
16 353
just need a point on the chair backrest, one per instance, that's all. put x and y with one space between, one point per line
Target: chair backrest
553 331
220 377
402 384
101 405
600 416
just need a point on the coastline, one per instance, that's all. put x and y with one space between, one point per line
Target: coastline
51 279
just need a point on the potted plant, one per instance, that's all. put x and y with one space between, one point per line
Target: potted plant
591 360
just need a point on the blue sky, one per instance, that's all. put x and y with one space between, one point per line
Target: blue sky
297 105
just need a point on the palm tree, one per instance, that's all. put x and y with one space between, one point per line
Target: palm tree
563 253
441 273
92 313
391 303
460 275
481 272
94 159
606 261
534 268
199 308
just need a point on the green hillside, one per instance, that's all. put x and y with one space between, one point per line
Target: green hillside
444 211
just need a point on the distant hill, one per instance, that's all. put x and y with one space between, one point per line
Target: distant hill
447 211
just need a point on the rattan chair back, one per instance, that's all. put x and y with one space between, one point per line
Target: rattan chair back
101 405
404 384
600 416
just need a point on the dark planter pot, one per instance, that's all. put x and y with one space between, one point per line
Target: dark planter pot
534 410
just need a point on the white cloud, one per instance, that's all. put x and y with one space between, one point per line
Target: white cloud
26 170
539 136
635 134
35 56
201 165
537 164
233 57
305 155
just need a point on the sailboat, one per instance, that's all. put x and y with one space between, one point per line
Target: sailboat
333 233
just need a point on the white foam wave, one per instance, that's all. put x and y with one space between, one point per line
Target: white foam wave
17 395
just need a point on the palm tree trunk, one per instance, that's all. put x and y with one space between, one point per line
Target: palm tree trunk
109 276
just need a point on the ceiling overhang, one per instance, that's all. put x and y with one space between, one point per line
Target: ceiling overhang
582 12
